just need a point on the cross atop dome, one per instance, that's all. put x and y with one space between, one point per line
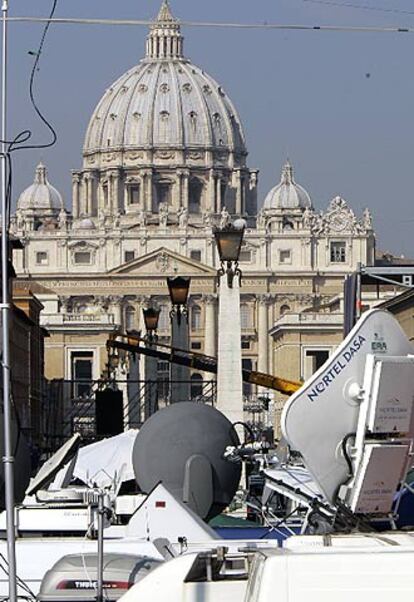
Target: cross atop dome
165 41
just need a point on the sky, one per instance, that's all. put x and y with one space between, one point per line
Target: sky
338 104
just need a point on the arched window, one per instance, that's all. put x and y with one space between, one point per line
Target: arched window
195 193
196 317
196 386
284 310
245 316
130 318
162 195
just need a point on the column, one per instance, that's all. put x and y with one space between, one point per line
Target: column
210 326
211 193
185 197
116 190
229 375
218 195
75 194
116 308
148 190
87 194
239 209
263 329
180 375
180 187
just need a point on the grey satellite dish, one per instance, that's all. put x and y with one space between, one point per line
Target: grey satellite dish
182 446
50 468
22 462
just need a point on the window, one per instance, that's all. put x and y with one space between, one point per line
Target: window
245 256
314 359
196 386
285 256
130 318
245 315
42 258
196 317
82 257
129 256
245 344
196 255
163 195
81 370
338 252
284 309
196 345
134 194
105 194
195 193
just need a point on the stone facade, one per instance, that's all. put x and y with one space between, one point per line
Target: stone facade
164 162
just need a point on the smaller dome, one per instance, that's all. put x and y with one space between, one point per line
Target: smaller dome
41 195
287 194
86 224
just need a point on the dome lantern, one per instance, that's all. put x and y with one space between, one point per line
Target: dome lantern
165 40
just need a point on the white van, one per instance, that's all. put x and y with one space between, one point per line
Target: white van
339 568
326 575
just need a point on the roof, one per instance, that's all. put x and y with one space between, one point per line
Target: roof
287 194
165 101
41 195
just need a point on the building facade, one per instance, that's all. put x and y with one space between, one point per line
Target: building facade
165 161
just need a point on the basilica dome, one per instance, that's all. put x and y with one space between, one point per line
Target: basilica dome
165 102
41 195
287 194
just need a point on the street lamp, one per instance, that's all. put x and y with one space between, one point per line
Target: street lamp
151 317
178 288
229 241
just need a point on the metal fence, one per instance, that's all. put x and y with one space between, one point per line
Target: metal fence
69 406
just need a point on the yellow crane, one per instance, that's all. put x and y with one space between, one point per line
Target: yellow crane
198 361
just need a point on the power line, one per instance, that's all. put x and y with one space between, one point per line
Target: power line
397 11
275 26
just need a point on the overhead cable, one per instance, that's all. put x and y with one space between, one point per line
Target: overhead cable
398 11
217 24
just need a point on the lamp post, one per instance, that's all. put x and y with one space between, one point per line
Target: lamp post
229 240
151 317
178 288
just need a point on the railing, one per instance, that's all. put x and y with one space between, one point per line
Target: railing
70 406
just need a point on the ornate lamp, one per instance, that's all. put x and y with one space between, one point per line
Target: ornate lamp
178 288
151 317
229 240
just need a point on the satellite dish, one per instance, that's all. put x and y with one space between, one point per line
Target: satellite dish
49 469
182 446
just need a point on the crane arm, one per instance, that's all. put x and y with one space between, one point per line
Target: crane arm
199 361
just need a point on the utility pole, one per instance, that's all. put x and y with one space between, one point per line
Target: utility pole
8 459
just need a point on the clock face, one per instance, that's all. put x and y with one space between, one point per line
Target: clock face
338 221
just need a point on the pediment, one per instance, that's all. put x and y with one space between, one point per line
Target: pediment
163 262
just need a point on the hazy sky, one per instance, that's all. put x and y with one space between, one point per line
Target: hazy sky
340 105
